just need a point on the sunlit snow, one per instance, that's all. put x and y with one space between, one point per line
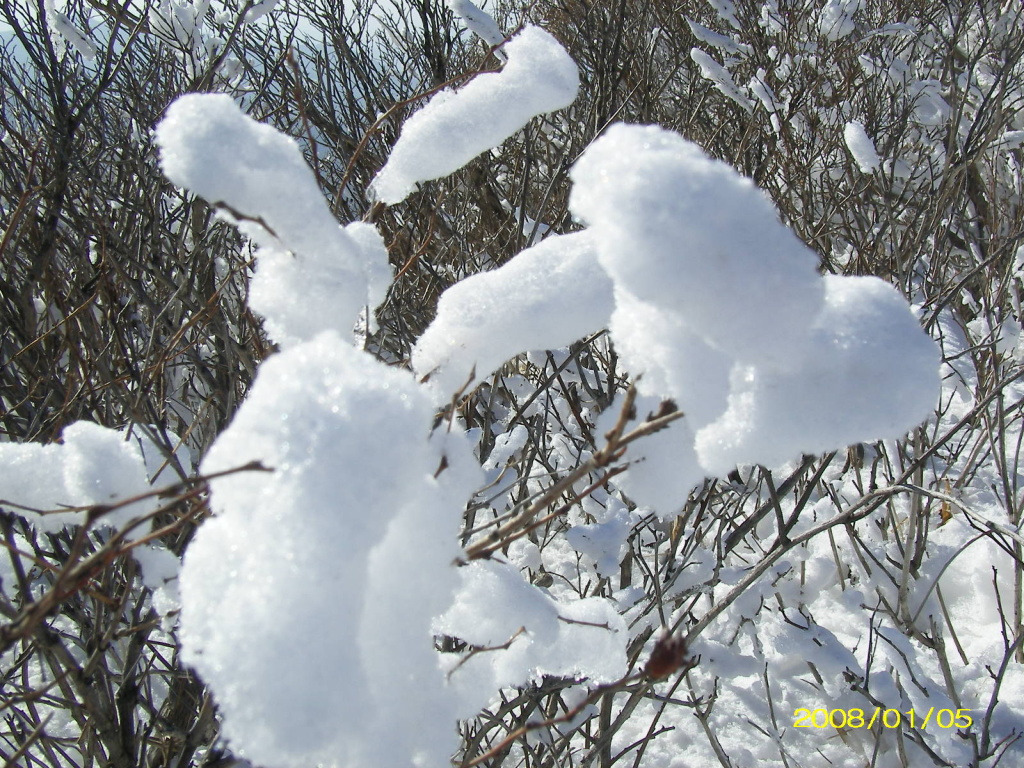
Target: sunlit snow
707 295
456 126
324 574
861 147
691 237
546 297
63 31
312 274
868 372
720 307
720 76
478 21
581 638
92 465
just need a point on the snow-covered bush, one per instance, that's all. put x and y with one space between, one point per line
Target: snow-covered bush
573 444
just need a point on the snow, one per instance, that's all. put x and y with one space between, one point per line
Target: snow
663 468
683 233
546 297
60 25
345 549
719 75
797 363
307 599
930 109
92 466
159 565
479 22
1010 140
374 259
312 273
675 362
836 21
312 595
506 445
259 10
868 372
456 126
861 147
182 22
583 638
604 543
714 39
726 11
758 86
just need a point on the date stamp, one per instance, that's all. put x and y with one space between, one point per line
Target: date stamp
887 718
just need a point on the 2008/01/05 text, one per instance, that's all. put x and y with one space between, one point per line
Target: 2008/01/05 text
889 718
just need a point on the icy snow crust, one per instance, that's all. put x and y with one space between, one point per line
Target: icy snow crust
456 126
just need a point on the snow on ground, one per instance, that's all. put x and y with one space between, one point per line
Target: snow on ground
810 632
456 126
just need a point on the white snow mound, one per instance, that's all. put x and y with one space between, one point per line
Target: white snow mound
721 308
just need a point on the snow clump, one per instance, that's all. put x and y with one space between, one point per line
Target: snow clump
308 597
861 147
546 297
456 126
721 308
312 273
